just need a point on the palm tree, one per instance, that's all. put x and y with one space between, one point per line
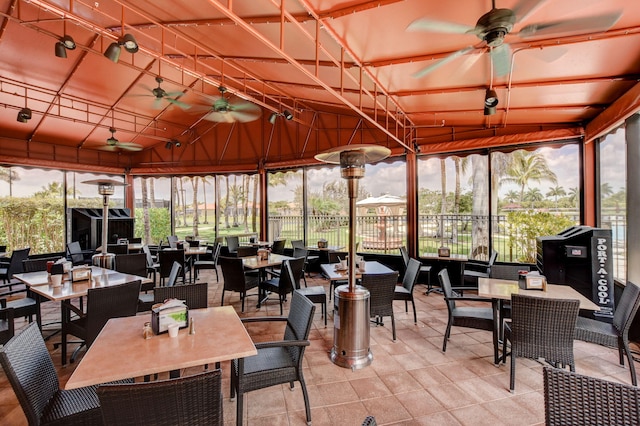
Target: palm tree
9 175
194 204
205 180
606 190
528 166
573 194
254 208
226 203
443 195
533 195
511 196
145 211
555 192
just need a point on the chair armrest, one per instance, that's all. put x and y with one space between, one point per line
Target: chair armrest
282 344
469 299
259 319
71 307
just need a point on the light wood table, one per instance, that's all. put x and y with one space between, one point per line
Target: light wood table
40 283
371 267
120 352
255 262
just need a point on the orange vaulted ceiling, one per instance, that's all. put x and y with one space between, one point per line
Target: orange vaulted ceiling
397 73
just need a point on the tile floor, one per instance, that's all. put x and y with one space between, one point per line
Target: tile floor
410 382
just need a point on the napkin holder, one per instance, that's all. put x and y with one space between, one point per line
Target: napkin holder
80 273
533 281
444 251
173 311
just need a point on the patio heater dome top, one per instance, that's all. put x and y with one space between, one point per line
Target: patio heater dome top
372 153
105 186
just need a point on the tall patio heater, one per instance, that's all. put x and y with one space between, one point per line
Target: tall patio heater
351 334
106 188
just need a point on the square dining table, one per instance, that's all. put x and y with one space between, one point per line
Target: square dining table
121 352
371 267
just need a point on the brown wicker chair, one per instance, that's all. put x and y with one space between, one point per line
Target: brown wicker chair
276 362
235 279
617 333
381 289
194 295
540 328
405 291
103 303
468 316
191 400
574 399
30 370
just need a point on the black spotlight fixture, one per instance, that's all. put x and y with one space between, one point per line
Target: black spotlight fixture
490 102
287 114
273 117
64 44
168 145
24 115
113 51
177 143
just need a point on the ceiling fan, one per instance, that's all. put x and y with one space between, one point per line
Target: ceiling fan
495 25
114 144
161 95
225 110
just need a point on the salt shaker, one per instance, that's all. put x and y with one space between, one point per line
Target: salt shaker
192 327
147 332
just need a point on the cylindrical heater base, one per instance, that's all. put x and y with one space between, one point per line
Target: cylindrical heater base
104 260
351 333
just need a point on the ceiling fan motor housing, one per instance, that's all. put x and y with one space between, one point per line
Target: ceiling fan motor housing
494 25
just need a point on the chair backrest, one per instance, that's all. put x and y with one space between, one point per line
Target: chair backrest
574 399
297 244
300 252
445 285
232 273
233 242
15 263
287 282
191 400
299 322
543 328
405 255
176 271
134 264
104 303
118 248
411 274
337 256
382 290
148 256
194 295
278 246
297 269
40 264
74 251
246 251
135 240
173 241
627 308
30 370
166 259
216 252
492 260
194 243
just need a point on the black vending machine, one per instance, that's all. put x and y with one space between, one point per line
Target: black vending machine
580 257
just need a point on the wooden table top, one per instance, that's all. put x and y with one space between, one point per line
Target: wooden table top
40 283
254 262
502 289
328 248
371 267
454 257
120 351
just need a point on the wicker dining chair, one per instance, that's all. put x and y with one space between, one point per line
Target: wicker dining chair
480 318
30 370
575 399
405 291
540 328
194 400
246 251
283 284
166 259
615 334
194 295
425 270
381 289
233 242
235 278
208 261
7 327
278 246
315 293
277 362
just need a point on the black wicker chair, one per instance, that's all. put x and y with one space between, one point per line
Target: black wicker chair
278 246
574 399
103 303
76 255
233 242
617 333
118 248
425 270
540 328
166 259
310 259
369 421
405 291
133 264
208 261
336 257
277 362
13 265
7 328
466 316
246 251
315 293
283 284
382 289
476 269
235 279
30 370
194 295
191 400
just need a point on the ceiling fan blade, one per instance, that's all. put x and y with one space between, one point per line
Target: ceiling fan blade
243 117
524 8
589 24
442 62
108 147
129 146
501 58
173 94
178 103
424 24
245 107
157 103
219 117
